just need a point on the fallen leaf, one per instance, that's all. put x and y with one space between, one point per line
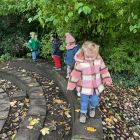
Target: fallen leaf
109 120
45 131
91 129
13 103
30 127
41 94
34 121
57 88
13 136
67 114
23 70
78 99
58 101
30 85
66 109
77 110
104 110
26 100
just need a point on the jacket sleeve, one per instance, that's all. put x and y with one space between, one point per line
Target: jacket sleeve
106 78
75 76
38 44
55 46
30 44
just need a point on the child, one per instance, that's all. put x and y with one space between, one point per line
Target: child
71 48
89 77
34 45
56 51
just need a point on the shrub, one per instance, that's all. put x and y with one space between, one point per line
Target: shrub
5 57
123 58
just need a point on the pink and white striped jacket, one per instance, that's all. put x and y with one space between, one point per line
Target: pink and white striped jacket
89 76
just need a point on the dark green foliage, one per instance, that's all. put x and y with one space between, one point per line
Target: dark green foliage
126 80
113 24
14 44
5 57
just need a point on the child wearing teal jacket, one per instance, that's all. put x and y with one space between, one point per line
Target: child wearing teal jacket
34 45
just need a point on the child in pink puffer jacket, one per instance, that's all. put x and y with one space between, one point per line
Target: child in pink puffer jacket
89 77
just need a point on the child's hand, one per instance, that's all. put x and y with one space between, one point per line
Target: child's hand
107 82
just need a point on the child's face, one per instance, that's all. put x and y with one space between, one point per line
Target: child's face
91 51
70 43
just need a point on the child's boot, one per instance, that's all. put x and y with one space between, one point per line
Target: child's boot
67 76
82 118
92 112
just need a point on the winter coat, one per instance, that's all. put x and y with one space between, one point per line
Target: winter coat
56 47
33 45
88 76
69 57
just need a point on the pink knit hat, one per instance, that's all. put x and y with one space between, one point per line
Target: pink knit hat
70 41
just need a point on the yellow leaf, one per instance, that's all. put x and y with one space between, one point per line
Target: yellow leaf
34 121
114 119
30 85
67 114
91 129
58 101
41 94
77 110
45 131
13 103
30 127
66 109
13 136
26 100
109 120
61 123
78 99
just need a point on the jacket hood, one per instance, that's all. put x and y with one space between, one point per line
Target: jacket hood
79 56
70 41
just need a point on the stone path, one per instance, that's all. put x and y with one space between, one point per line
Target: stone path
4 107
37 107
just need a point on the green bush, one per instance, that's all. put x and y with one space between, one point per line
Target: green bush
46 47
123 58
127 81
14 44
5 57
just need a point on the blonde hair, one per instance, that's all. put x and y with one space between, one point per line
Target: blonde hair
90 50
32 34
89 45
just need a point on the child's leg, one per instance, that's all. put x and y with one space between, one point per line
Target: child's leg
84 105
94 101
33 55
68 71
57 61
37 54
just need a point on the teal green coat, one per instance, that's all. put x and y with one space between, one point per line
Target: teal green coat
33 45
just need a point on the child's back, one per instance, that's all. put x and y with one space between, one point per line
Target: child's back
69 57
71 48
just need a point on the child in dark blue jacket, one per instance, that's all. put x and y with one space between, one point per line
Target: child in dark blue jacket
71 48
56 51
